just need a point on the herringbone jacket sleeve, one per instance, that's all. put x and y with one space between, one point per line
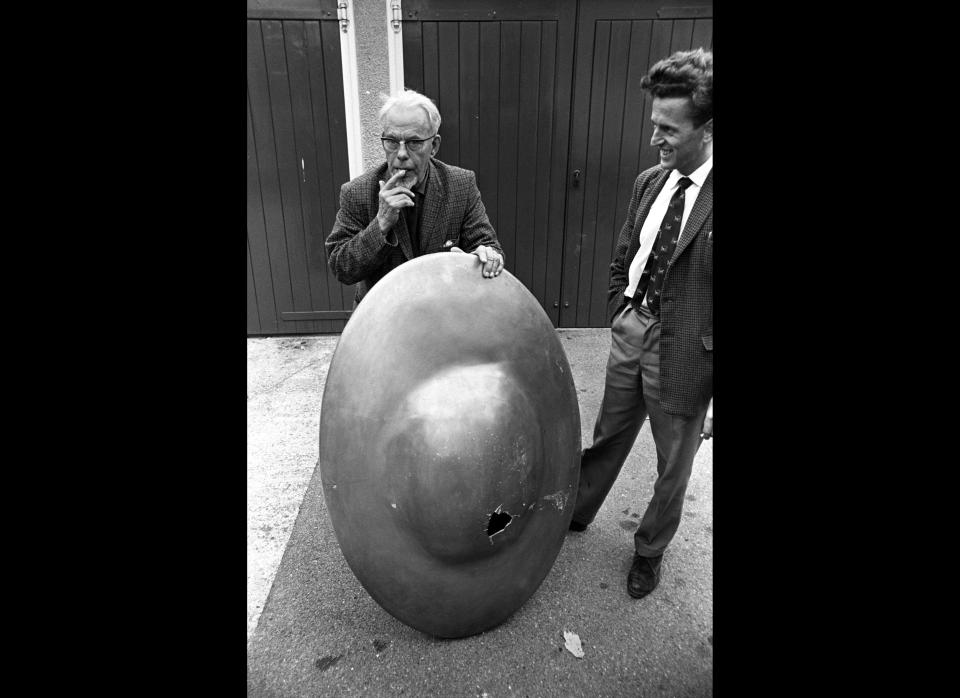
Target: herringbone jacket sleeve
357 248
476 228
620 267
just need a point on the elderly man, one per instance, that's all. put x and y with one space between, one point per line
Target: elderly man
412 204
661 307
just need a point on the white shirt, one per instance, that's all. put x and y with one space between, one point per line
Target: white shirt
651 226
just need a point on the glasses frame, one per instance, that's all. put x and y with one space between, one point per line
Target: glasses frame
406 142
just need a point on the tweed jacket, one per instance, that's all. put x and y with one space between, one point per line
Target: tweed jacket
453 216
686 300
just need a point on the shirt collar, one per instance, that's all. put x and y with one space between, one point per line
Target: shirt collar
698 176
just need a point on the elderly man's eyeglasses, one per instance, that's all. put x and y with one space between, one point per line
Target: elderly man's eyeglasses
414 145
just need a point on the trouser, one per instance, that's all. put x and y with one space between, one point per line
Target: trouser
631 393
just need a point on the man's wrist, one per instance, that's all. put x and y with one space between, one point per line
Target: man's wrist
389 235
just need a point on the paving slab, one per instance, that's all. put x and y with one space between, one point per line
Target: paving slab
314 631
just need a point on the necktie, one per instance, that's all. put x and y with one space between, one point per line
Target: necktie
664 247
411 215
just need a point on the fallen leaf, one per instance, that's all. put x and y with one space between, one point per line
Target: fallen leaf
572 643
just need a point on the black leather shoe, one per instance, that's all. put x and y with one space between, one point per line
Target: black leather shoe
576 526
644 575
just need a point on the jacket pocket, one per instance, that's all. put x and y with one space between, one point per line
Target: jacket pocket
707 342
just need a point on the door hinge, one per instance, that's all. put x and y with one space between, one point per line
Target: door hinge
397 15
342 15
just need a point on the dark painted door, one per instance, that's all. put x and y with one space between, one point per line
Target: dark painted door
499 72
542 100
296 162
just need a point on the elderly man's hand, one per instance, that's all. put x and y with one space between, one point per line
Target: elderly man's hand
707 431
392 199
491 261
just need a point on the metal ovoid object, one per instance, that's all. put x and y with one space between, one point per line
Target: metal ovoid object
449 444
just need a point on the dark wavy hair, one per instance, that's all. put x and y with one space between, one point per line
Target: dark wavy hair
685 74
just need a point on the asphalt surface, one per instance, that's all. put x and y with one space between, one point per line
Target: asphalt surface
320 634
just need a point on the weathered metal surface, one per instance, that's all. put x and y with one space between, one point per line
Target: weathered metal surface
449 444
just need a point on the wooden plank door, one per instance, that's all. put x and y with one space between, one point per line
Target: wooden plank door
617 42
499 72
296 162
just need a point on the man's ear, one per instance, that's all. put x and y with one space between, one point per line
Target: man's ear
708 131
435 146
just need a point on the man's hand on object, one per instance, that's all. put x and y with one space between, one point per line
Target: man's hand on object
708 422
491 261
392 199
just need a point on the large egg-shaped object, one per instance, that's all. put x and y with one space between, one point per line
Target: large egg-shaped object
449 444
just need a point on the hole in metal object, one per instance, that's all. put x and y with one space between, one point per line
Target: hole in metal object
498 521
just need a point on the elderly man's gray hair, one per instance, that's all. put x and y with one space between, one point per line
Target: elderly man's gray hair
412 98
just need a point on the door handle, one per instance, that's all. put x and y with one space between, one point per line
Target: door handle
576 178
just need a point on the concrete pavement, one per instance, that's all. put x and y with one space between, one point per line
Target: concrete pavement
313 630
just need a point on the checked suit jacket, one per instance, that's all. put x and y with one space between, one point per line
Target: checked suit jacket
453 216
686 298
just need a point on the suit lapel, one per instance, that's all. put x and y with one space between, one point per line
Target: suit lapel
432 204
646 203
403 236
701 209
643 210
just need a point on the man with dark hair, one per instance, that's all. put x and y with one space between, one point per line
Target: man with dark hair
661 308
411 205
